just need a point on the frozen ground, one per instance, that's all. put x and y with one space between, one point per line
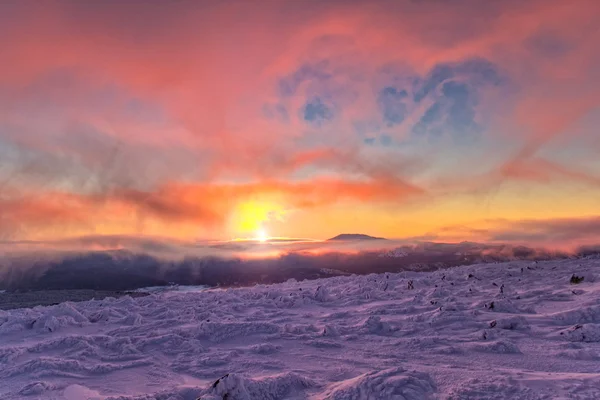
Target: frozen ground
514 330
10 300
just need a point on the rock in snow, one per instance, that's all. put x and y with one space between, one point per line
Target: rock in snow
514 332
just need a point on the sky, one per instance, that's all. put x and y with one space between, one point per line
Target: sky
442 120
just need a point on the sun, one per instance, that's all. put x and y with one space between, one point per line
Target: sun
262 236
249 218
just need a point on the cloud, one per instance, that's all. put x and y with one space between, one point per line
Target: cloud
560 232
316 112
106 262
392 105
203 206
318 73
174 113
540 170
455 90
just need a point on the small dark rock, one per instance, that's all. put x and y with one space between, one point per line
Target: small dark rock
576 279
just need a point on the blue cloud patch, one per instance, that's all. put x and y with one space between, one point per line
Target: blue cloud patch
438 75
454 91
427 123
461 110
447 97
392 104
480 72
476 71
317 112
385 140
453 112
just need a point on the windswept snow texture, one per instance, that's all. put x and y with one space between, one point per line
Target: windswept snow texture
516 330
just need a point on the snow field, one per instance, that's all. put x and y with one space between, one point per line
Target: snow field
494 331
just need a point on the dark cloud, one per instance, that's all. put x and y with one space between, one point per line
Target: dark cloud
317 112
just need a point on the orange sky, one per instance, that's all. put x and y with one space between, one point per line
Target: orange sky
220 120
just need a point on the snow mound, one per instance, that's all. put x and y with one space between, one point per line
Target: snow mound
237 387
508 306
493 389
179 394
578 315
221 331
582 333
36 388
374 325
265 348
498 347
394 383
518 323
331 331
52 366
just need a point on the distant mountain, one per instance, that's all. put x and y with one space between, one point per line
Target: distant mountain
354 236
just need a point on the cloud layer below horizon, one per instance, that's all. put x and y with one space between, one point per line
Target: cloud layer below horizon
458 120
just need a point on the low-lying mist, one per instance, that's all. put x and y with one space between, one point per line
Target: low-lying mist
127 263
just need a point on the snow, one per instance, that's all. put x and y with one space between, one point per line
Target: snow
171 288
490 331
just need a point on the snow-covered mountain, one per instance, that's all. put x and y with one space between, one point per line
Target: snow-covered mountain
518 330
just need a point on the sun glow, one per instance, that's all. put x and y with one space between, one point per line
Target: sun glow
251 219
262 236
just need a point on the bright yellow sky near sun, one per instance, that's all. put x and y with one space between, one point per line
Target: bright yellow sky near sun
271 218
427 216
249 218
